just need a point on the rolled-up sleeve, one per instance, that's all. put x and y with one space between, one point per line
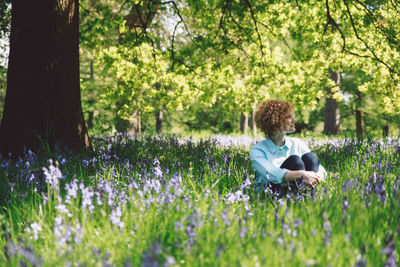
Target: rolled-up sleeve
265 167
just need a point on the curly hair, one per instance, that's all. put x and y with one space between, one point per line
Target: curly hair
271 115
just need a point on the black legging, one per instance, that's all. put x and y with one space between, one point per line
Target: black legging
308 162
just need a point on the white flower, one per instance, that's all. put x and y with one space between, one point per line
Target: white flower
63 209
35 228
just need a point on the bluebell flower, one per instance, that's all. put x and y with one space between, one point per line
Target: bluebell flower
87 195
62 233
85 163
72 191
225 218
115 217
62 209
243 232
169 261
246 184
178 226
53 175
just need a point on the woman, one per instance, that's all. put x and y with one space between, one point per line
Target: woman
280 160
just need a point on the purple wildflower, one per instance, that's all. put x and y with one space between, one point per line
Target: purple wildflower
87 195
72 191
62 209
115 217
52 175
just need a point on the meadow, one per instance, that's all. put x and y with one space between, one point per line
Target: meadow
171 201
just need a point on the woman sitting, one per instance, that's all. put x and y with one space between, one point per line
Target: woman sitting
279 161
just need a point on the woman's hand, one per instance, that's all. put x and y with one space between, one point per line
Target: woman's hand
310 178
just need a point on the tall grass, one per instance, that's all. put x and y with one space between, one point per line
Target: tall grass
166 201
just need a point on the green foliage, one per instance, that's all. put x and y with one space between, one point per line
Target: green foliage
202 54
5 17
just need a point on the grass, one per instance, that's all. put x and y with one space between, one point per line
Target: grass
185 202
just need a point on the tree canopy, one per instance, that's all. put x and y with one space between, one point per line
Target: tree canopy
139 57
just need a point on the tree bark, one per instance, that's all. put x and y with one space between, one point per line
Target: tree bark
386 131
43 102
90 123
137 123
244 121
159 117
359 123
332 114
253 117
90 120
252 123
359 116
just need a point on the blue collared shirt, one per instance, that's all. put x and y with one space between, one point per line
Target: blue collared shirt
267 158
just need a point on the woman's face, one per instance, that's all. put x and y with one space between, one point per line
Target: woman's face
289 126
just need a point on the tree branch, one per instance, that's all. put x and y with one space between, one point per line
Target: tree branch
365 43
172 44
396 6
256 28
331 21
184 24
377 26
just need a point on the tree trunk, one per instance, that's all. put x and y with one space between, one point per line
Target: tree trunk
359 116
139 124
90 123
253 117
136 123
90 120
43 102
159 117
386 131
359 123
244 121
332 115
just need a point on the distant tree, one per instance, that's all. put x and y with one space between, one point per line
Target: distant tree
43 103
332 113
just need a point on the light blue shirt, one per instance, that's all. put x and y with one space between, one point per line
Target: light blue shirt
267 158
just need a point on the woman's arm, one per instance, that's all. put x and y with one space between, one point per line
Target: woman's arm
265 167
310 178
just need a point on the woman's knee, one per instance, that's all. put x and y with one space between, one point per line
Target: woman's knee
311 161
293 163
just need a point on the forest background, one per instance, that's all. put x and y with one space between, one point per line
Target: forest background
203 66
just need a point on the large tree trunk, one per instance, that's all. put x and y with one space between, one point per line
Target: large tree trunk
43 102
332 115
244 122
